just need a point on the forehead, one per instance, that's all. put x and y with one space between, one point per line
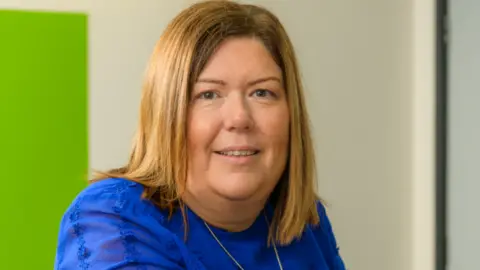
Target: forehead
241 57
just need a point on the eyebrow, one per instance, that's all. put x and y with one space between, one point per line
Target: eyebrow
254 82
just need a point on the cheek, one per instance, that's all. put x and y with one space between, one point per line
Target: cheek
276 125
201 132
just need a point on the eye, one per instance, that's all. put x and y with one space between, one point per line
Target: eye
263 93
207 95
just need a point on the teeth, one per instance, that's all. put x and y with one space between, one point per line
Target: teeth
238 153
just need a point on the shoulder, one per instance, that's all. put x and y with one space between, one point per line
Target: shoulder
324 218
109 225
323 231
111 187
325 237
116 196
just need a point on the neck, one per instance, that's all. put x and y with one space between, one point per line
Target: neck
233 216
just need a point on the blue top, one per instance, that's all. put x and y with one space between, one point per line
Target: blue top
109 226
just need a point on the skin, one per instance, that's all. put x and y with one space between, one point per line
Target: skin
238 103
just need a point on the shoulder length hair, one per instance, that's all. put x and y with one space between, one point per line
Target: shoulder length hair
158 159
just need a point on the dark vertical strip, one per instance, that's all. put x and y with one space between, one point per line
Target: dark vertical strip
442 37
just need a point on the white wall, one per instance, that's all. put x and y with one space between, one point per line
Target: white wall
369 72
358 60
463 136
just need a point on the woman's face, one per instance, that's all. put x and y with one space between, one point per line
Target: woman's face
238 125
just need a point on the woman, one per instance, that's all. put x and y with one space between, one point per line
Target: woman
221 174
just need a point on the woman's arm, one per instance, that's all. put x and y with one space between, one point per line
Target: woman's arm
112 228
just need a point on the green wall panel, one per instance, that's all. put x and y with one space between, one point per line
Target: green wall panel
43 131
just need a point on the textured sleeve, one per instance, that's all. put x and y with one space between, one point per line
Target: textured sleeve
108 226
326 239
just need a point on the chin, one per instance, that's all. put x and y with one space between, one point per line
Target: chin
237 196
239 190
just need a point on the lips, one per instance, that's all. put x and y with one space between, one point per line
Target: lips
238 153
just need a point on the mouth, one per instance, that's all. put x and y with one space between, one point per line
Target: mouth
238 153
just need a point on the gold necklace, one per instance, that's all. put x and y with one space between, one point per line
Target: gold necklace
230 255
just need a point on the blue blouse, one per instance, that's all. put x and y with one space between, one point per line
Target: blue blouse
109 226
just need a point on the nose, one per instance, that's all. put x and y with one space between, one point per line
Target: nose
237 113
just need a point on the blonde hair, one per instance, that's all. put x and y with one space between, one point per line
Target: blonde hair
158 159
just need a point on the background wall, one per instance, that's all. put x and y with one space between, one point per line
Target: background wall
358 61
464 133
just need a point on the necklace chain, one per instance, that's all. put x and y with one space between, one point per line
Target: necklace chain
230 255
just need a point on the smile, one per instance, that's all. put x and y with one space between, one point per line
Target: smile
238 153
